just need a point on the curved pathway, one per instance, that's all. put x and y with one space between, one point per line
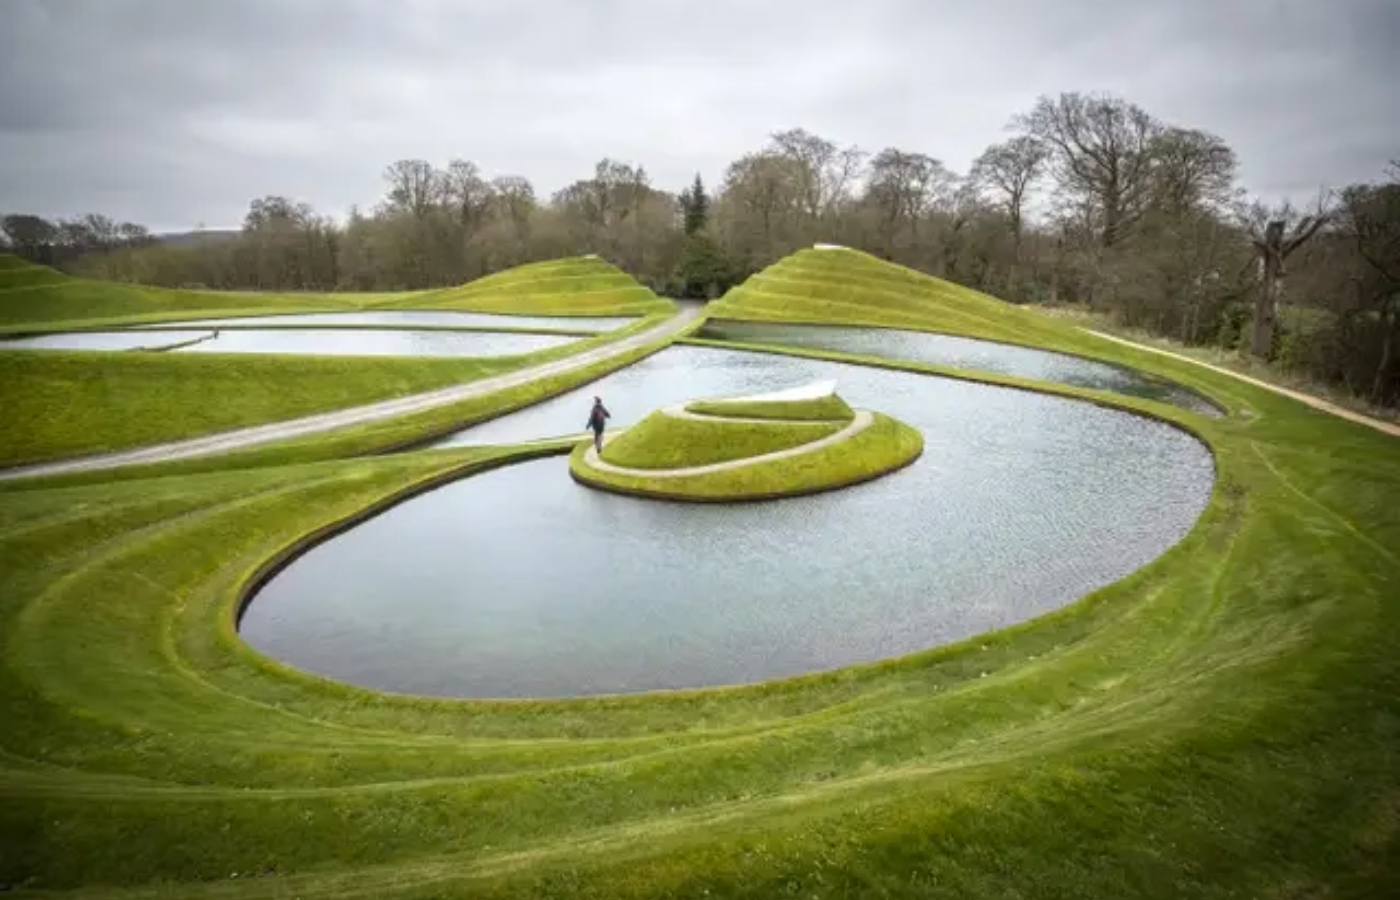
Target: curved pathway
259 435
1390 428
863 420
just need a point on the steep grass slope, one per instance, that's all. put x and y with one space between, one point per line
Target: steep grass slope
1223 723
577 286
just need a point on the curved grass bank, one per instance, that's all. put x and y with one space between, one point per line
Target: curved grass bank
1225 722
749 448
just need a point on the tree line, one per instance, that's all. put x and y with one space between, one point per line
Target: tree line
1089 201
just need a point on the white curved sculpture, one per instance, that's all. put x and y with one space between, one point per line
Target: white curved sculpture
814 391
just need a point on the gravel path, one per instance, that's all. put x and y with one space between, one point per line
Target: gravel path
1326 406
259 435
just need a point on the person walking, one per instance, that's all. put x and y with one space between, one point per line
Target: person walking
597 419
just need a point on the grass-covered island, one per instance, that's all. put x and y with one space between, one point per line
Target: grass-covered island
797 441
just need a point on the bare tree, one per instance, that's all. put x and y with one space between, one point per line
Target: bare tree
1276 234
1009 169
1370 217
514 197
1192 168
414 186
824 172
466 193
1102 150
903 187
758 204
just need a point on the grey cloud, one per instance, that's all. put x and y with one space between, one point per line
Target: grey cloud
175 112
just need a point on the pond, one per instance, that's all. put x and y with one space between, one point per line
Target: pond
521 583
318 341
412 318
963 353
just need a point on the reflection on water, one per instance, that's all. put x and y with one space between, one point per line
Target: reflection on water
519 582
421 317
962 353
322 341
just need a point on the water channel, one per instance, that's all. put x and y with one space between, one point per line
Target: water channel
520 583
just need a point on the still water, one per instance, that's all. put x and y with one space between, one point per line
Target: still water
521 583
963 353
323 341
418 317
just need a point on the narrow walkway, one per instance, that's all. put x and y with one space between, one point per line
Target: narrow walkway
863 420
1390 428
259 435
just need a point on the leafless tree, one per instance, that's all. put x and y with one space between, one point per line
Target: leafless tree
1276 234
1192 168
466 193
824 172
1009 169
414 186
1369 215
903 186
1102 150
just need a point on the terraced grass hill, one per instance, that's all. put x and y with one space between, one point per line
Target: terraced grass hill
577 286
799 441
38 298
839 285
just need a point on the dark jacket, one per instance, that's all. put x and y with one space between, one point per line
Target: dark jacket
598 417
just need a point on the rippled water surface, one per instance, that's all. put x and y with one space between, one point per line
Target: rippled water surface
963 353
519 582
421 317
323 341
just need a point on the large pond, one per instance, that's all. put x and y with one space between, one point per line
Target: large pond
520 583
963 353
319 341
414 317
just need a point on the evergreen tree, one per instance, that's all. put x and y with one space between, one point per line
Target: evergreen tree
696 206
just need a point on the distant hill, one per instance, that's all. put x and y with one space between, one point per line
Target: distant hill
202 236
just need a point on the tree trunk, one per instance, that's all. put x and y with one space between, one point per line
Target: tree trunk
1266 304
1378 385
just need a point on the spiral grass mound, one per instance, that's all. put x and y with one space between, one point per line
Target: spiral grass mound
798 441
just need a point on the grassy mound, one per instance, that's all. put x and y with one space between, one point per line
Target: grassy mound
830 407
578 286
37 298
884 446
844 286
662 441
719 450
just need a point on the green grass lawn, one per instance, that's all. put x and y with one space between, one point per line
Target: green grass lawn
884 446
830 407
64 404
661 441
1223 723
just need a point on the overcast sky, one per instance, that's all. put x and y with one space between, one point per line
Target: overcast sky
178 112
